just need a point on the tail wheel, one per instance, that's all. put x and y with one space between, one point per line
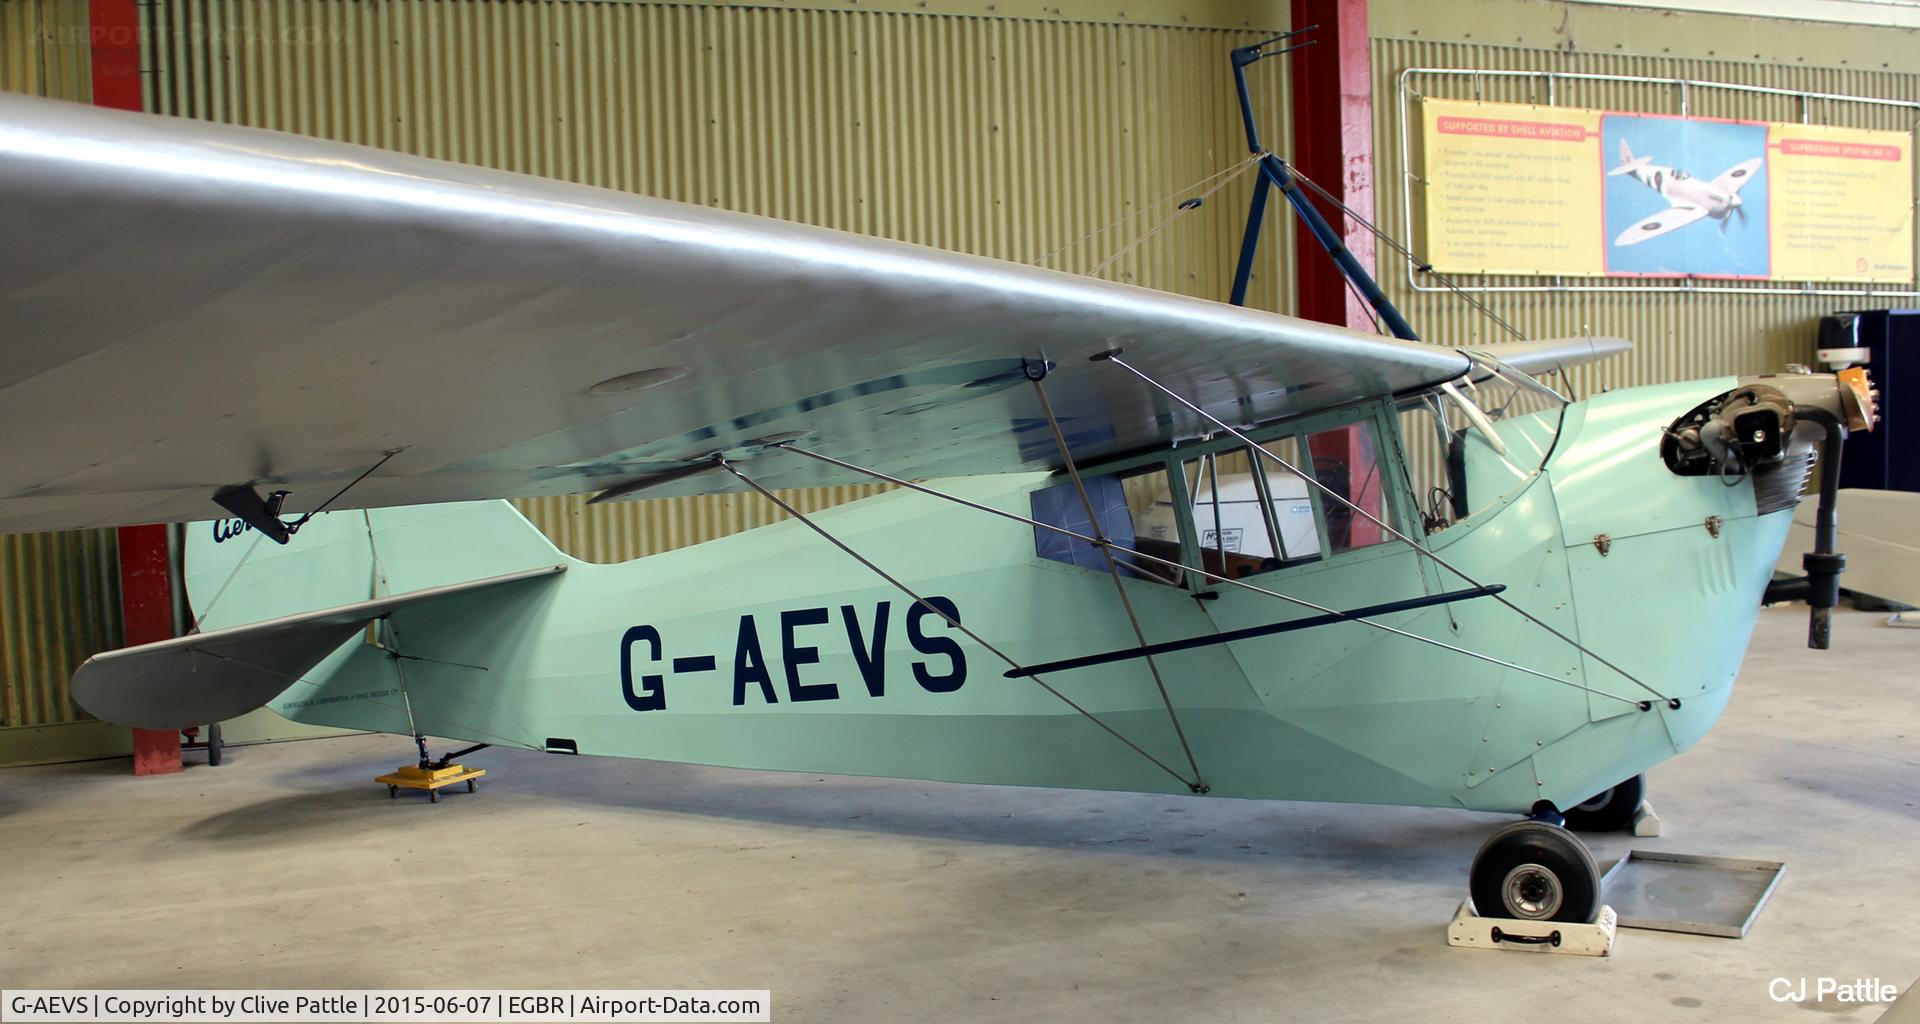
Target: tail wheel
1612 810
1532 871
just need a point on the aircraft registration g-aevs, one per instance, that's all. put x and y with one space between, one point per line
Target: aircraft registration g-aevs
204 313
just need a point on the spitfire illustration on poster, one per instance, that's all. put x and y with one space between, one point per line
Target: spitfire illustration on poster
1686 196
1563 191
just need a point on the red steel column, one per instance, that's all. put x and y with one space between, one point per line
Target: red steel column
113 29
1333 145
146 585
146 606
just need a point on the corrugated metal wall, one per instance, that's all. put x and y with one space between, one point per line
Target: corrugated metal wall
59 592
44 48
59 604
1008 137
999 136
1678 336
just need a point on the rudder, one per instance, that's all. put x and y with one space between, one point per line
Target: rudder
234 575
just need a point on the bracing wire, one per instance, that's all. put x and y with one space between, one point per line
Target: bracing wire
1168 219
1230 171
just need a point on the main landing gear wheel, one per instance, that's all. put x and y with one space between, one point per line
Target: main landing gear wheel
1533 871
1612 810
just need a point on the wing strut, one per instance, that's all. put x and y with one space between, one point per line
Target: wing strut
1037 372
1113 356
1358 616
953 621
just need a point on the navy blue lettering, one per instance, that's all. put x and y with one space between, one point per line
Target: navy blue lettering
944 646
749 665
869 654
794 656
653 695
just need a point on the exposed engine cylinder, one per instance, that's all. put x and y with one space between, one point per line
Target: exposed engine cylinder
1768 428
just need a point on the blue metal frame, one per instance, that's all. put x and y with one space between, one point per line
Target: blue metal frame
1275 172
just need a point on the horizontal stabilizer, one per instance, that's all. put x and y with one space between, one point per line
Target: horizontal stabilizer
213 676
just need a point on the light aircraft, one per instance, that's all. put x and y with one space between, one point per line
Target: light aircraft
201 313
1689 198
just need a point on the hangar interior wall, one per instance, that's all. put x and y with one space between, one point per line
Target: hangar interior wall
44 48
1676 335
1009 137
59 592
1009 129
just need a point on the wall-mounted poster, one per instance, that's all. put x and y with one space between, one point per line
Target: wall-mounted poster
1843 203
1517 189
1685 196
1511 189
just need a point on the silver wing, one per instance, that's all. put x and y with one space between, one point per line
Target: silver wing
190 306
1672 219
1736 177
1544 356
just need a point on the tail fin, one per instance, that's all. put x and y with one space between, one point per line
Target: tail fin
234 577
1628 162
267 613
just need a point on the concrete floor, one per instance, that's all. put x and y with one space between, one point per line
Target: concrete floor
858 900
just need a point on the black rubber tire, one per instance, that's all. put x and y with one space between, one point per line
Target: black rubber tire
1611 811
215 745
1537 857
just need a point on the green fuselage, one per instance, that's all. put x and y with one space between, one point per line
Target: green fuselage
772 649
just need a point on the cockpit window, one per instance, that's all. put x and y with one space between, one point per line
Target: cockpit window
1470 445
1247 518
1123 502
1346 461
1500 391
1229 510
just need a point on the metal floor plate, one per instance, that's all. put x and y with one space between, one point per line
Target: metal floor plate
1678 892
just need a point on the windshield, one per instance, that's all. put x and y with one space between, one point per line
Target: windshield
1472 443
1500 390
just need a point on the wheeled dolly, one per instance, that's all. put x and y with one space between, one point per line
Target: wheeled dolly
433 780
213 744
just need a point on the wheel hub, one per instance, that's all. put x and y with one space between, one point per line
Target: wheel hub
1531 892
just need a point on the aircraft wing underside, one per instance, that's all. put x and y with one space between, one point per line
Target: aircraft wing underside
191 306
